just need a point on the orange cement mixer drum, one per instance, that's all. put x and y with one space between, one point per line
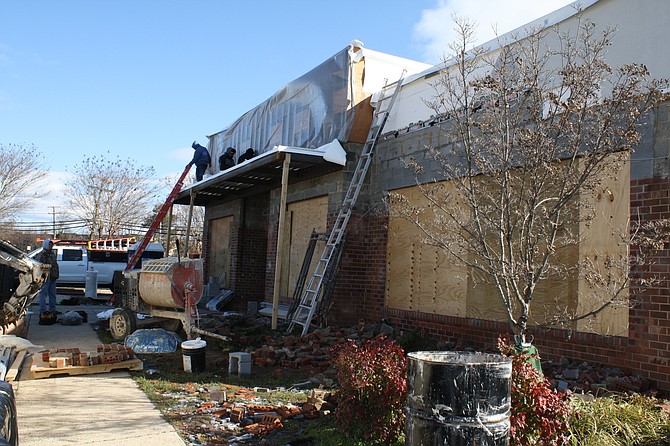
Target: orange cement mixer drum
163 282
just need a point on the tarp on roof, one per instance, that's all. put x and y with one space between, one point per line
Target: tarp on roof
314 109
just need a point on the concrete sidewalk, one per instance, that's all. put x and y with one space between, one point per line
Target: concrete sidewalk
100 409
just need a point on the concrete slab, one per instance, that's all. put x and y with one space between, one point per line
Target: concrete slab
104 409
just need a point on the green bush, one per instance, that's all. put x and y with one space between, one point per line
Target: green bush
414 341
372 390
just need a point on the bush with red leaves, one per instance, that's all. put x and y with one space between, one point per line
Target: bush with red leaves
372 389
540 415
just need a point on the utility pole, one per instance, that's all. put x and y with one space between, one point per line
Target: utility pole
53 213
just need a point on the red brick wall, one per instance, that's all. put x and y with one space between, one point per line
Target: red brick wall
247 264
646 352
361 282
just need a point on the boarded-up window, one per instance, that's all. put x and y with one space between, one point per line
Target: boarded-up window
424 278
302 217
219 250
420 277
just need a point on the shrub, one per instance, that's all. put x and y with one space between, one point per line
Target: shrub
540 415
618 421
412 341
372 389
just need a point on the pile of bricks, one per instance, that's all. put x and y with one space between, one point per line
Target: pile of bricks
589 378
105 354
311 352
260 419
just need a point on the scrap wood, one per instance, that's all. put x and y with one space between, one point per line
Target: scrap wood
14 370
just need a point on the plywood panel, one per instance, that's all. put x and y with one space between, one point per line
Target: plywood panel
550 296
423 278
219 249
304 216
419 276
602 240
399 265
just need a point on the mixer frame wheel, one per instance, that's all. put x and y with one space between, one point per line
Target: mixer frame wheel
122 323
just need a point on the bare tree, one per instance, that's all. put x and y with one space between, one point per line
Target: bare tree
180 222
532 131
21 168
111 194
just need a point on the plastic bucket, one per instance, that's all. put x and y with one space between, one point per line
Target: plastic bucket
458 399
193 355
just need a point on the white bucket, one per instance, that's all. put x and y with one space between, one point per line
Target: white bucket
193 355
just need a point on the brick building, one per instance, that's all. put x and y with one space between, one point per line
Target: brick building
385 271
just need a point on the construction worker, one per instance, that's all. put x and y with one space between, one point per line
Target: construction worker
48 257
227 160
246 155
201 159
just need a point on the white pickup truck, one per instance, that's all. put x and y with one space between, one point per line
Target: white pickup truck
75 259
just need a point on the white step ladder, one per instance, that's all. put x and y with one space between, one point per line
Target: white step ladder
309 302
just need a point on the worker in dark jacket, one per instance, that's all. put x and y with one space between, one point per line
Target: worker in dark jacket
246 155
201 159
48 257
227 160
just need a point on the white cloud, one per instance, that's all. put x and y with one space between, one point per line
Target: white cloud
51 193
435 29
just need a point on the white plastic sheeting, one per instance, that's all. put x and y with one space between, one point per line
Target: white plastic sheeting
312 110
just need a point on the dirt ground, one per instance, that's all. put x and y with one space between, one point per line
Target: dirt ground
272 399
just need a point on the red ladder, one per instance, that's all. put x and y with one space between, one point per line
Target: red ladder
157 220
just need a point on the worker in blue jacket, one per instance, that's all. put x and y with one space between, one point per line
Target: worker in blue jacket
201 159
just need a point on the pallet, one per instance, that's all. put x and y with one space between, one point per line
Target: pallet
41 370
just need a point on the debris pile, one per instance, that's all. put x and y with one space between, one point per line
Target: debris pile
228 414
310 353
585 378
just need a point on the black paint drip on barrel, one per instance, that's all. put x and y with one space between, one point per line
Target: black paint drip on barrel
458 399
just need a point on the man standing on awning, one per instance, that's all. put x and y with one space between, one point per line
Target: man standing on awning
201 159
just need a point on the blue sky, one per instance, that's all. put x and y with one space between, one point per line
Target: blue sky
142 79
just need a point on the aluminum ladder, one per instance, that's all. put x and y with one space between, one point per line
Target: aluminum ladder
304 313
158 219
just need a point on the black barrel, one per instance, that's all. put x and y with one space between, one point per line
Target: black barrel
458 399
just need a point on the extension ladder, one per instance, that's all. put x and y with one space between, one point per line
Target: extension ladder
304 313
157 220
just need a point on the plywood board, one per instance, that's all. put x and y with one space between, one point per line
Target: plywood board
601 240
304 216
421 277
219 249
15 368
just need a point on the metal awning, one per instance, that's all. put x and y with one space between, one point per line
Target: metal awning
260 174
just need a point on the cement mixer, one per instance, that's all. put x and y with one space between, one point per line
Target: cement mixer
168 288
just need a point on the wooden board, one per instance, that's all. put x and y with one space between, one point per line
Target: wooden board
303 217
14 370
39 369
601 240
421 277
219 250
